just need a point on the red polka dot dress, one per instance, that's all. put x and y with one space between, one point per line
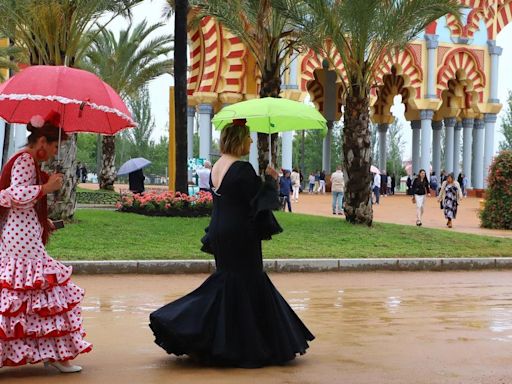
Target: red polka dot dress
40 314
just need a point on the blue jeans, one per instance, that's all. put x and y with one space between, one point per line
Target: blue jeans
287 202
337 197
376 190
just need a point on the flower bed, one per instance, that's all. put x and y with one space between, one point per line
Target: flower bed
167 204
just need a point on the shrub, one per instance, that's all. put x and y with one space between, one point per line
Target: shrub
497 212
167 204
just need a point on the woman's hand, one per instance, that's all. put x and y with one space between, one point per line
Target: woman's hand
54 183
50 224
271 172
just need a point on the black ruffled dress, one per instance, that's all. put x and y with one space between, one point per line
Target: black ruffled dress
236 317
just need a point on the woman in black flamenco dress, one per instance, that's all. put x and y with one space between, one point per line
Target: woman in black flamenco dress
236 317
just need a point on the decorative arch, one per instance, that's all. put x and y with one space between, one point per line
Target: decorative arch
312 61
465 60
503 15
408 66
394 83
473 20
315 89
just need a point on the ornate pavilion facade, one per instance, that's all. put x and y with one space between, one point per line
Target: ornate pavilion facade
447 79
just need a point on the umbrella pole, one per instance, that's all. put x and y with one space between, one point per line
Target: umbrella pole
270 149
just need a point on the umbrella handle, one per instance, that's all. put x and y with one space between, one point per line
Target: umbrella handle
270 149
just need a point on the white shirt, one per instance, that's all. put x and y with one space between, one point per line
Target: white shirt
204 177
376 180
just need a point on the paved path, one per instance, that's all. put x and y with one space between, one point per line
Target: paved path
399 209
384 328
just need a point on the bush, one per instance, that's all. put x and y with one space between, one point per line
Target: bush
167 204
497 212
97 197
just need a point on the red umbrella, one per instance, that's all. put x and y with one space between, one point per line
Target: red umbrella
84 101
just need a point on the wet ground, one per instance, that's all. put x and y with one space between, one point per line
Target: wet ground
406 327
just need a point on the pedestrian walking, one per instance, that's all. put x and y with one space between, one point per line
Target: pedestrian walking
450 197
337 190
434 184
321 179
285 188
83 171
393 183
295 179
311 181
376 187
420 189
203 176
236 317
40 312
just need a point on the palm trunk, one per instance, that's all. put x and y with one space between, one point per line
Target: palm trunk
62 204
180 105
108 168
357 159
270 87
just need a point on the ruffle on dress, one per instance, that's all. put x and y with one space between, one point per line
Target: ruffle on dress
34 350
32 273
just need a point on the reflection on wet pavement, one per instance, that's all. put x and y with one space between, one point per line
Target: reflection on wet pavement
370 328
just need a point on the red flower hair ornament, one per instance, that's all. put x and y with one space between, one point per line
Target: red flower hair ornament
239 122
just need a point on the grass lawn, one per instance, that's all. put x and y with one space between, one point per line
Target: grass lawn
109 235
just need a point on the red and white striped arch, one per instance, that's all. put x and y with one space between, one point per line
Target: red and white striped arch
466 60
217 59
409 62
312 61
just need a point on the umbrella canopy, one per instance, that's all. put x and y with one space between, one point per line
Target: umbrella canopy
271 115
374 169
84 101
133 165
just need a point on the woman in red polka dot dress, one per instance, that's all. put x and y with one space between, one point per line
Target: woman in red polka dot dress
40 314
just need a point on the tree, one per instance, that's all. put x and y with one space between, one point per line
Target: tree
140 136
395 149
362 32
506 126
126 62
313 146
268 36
57 32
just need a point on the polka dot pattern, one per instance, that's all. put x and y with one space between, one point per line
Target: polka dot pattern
40 314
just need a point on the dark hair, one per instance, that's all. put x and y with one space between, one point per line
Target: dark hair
48 130
232 139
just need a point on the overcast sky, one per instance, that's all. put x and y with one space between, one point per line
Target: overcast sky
159 88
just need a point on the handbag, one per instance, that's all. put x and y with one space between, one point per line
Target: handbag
413 199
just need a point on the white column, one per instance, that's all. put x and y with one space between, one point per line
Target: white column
205 130
383 131
191 113
495 53
478 155
467 126
20 136
456 148
449 123
416 131
426 138
287 149
490 121
253 152
437 126
432 42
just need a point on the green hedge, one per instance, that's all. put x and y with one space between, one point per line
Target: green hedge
97 197
497 213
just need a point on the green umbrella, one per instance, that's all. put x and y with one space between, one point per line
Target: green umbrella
271 115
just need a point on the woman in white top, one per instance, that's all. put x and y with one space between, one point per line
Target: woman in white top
295 177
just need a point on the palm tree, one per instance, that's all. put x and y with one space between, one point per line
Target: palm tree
268 35
181 9
56 32
363 32
126 63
